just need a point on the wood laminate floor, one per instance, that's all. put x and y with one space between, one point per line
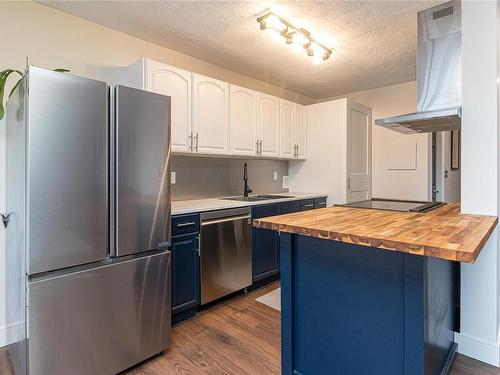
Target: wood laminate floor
237 337
242 336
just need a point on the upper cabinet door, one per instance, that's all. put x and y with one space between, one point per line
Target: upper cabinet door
268 125
287 110
210 115
301 131
243 121
176 83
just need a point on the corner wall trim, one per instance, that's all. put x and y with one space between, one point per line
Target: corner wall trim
11 333
477 348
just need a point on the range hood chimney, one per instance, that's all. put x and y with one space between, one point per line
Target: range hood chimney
439 68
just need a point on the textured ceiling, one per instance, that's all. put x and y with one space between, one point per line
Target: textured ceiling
374 41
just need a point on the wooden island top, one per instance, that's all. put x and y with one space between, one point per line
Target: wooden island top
442 233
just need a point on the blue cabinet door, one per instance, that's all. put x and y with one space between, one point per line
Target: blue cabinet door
265 249
185 273
289 207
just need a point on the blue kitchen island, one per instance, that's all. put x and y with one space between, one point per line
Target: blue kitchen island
371 291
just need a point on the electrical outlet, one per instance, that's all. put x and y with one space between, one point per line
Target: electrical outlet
172 177
285 182
275 176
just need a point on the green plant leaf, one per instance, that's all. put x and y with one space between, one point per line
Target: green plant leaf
15 87
61 70
4 74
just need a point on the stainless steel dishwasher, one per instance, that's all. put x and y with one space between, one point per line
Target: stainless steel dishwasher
226 252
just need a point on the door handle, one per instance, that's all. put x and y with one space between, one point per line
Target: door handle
196 141
225 220
191 141
185 224
6 219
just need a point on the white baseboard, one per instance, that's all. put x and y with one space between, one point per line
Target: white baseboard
11 333
482 350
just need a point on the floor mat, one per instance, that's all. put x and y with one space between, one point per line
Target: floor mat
271 299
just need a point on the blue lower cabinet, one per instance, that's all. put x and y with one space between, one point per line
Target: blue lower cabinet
307 204
265 245
289 207
185 269
320 202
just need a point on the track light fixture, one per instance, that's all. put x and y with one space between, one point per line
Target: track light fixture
298 38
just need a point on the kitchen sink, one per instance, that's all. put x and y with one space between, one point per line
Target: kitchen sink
258 198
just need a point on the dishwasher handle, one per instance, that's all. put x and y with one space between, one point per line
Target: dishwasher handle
224 220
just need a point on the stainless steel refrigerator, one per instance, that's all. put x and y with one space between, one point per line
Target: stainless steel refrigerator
90 181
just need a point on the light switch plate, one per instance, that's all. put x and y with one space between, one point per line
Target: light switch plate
172 177
275 176
285 182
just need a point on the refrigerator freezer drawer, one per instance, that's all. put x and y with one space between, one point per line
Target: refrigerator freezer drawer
101 320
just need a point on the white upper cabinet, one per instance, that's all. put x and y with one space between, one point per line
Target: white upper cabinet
176 83
210 115
243 121
268 136
287 115
300 132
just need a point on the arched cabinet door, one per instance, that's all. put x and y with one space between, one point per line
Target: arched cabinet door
176 83
210 115
268 115
300 132
287 116
243 121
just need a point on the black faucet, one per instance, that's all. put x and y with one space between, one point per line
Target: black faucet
247 188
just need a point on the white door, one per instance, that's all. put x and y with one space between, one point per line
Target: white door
359 160
268 125
287 114
243 121
300 131
176 83
210 115
447 179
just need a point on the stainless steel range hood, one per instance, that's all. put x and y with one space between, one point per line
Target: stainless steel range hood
439 67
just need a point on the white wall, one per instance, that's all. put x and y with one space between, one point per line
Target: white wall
480 300
388 145
54 39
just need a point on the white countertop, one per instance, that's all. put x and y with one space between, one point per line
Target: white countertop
211 204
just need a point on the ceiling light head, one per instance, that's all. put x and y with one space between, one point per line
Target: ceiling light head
300 39
271 21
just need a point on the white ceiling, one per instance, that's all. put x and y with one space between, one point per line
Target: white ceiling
374 41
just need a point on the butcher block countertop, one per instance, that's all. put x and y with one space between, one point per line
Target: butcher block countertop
442 233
